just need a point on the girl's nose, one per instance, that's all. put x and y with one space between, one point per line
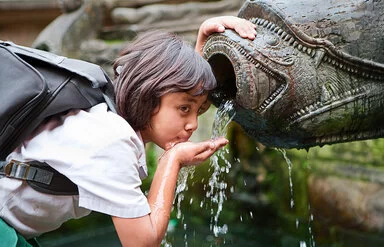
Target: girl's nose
192 124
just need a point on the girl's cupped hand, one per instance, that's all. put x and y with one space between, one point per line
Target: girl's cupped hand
194 153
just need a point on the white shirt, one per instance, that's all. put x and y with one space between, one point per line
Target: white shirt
99 151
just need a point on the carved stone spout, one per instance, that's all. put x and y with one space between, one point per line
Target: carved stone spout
314 75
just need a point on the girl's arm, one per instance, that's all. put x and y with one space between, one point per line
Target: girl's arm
149 230
244 28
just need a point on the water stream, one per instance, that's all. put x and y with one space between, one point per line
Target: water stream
311 241
219 165
289 163
217 188
224 115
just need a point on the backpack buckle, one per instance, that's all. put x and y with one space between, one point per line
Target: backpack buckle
25 171
16 169
40 176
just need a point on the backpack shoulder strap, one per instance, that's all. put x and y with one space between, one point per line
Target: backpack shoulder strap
40 176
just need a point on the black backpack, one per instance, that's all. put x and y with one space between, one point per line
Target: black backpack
34 85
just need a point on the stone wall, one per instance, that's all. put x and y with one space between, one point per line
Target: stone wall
99 30
21 21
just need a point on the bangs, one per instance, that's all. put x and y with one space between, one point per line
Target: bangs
193 73
201 89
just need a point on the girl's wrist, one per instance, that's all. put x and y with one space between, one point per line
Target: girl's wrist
170 157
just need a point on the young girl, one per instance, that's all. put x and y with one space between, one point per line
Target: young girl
161 88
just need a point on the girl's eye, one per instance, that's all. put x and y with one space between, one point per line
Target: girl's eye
184 109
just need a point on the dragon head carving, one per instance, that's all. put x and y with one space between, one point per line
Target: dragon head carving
314 74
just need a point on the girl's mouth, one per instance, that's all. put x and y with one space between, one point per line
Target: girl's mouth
178 140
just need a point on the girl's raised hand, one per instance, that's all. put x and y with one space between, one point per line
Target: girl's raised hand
244 28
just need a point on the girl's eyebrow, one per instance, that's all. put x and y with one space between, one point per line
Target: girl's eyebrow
190 99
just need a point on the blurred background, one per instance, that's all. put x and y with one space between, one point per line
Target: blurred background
247 195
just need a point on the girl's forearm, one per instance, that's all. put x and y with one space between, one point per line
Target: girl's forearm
150 230
161 194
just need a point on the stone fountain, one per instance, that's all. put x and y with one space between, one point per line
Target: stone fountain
314 74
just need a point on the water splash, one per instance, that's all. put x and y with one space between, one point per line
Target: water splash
182 186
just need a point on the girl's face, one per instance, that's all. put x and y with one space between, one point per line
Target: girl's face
175 119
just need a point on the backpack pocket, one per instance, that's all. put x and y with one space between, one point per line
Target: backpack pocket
22 90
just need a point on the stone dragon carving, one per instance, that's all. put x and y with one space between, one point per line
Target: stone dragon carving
314 75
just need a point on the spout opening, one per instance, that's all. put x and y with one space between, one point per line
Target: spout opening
226 79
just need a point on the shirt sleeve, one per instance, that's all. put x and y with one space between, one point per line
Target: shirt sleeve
102 155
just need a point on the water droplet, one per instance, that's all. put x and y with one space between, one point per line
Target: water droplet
303 244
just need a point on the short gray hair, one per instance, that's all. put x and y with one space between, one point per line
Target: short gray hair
155 64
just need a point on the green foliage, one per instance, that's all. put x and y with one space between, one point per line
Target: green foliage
151 157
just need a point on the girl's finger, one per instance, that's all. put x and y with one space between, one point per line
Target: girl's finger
220 28
203 156
221 141
214 145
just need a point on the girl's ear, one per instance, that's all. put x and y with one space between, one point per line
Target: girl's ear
156 110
